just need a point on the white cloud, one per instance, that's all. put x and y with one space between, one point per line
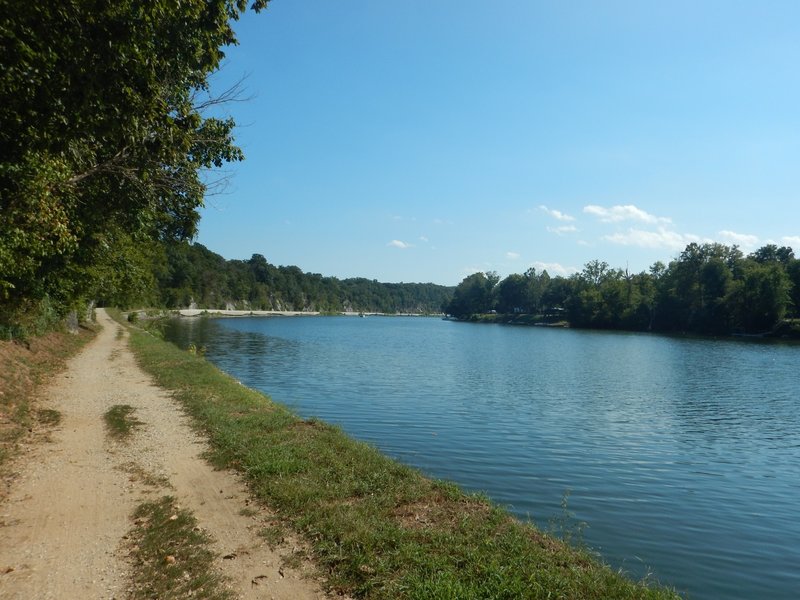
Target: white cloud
626 212
422 238
399 244
556 214
553 268
740 239
663 238
563 229
467 271
792 240
512 255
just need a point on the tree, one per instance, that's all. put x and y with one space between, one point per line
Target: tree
762 297
513 294
793 273
692 291
538 285
772 253
474 295
103 131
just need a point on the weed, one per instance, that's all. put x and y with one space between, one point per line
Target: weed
274 535
120 421
149 479
171 556
566 526
48 416
195 351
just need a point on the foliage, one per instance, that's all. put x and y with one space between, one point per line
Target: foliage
475 294
378 529
708 288
192 274
103 138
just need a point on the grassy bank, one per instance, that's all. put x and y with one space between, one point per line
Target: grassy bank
377 529
24 366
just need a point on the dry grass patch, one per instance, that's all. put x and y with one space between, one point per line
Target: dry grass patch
24 368
440 511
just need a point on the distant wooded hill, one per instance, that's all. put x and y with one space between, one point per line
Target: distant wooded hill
192 274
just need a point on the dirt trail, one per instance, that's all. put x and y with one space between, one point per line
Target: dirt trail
62 527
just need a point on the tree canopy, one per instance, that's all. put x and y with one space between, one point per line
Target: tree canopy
104 133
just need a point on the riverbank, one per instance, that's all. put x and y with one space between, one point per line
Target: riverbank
378 528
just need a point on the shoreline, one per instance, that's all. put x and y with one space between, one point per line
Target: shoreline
222 312
198 312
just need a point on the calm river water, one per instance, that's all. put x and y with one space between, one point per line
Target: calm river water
681 455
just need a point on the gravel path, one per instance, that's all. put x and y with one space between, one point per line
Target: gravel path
63 527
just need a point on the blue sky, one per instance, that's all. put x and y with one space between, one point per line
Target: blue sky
426 140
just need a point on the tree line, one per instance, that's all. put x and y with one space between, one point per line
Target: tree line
191 275
708 288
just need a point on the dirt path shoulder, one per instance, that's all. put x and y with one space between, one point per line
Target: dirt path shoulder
63 527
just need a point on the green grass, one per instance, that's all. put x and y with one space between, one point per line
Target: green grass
171 556
120 421
377 528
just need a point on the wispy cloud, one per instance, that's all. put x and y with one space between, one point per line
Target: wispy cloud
399 244
423 238
512 255
662 238
623 212
563 229
556 214
793 241
553 268
740 239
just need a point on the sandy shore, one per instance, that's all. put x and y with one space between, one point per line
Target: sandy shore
194 312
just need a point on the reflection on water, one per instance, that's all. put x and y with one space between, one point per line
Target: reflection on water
682 455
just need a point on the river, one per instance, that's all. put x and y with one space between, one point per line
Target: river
673 457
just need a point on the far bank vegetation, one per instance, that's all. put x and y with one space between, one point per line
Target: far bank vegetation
709 289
